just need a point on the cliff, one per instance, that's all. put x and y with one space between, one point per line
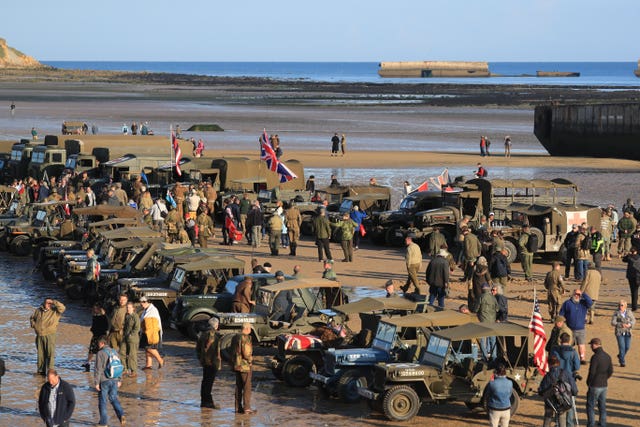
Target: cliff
13 58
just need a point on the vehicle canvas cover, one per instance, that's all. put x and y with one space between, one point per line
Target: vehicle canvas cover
483 330
108 210
435 319
288 285
377 304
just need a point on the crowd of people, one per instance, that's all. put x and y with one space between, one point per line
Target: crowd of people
485 146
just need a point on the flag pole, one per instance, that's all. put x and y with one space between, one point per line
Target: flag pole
170 153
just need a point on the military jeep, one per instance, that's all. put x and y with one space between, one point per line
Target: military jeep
310 306
294 363
456 365
399 339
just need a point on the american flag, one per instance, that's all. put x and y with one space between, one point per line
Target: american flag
539 338
178 151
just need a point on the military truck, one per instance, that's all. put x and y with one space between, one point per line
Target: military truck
456 365
399 339
18 163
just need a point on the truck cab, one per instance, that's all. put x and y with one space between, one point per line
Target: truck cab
47 158
20 158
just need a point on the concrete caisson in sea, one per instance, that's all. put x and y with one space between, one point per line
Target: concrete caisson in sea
589 130
434 69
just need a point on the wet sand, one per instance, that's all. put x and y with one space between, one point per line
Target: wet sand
170 397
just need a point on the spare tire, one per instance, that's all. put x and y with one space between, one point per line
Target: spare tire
540 235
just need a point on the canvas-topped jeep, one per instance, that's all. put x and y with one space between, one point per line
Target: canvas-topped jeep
297 356
309 306
399 339
457 365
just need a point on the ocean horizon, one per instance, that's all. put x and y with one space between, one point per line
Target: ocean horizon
593 73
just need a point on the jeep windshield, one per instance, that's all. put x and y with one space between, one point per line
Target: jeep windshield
385 336
436 352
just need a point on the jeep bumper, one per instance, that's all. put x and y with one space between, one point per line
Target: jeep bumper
320 378
367 394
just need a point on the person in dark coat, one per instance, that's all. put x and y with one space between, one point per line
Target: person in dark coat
503 303
56 401
437 276
633 276
2 371
600 370
550 379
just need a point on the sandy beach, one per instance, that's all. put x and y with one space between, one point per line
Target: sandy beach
386 139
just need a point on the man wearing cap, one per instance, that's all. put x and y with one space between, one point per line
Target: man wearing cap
242 301
323 234
575 311
208 351
328 272
243 365
600 370
499 268
555 289
487 313
347 228
44 322
390 288
570 253
591 286
437 276
436 240
559 328
413 261
626 227
472 250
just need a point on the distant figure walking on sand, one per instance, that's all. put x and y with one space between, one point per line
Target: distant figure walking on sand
481 172
12 107
34 134
335 144
483 146
343 144
507 146
125 129
487 142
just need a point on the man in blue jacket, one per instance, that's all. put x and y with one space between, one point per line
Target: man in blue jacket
56 401
498 394
357 216
575 311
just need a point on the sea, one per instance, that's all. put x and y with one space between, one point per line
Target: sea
591 73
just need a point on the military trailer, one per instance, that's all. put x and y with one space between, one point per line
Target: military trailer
457 365
399 339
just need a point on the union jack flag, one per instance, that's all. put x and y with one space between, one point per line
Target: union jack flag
539 338
273 164
178 151
266 152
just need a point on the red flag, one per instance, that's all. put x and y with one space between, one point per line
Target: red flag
423 187
539 338
176 149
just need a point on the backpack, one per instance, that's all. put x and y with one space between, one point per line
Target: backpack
532 243
559 396
113 368
586 243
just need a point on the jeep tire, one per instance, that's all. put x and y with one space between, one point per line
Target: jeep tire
348 384
400 403
295 371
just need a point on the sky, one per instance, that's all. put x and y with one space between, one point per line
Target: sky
329 30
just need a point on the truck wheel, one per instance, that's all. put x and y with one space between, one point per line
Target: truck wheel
48 271
400 403
295 371
512 252
225 347
21 245
348 384
194 324
391 238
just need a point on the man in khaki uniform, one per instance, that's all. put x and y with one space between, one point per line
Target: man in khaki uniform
472 250
555 288
293 221
116 334
179 191
205 228
171 221
413 261
45 322
211 195
243 365
208 351
591 286
275 230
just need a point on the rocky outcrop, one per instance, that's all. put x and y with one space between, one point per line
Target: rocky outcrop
13 58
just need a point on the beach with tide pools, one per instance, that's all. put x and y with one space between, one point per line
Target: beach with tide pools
388 139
